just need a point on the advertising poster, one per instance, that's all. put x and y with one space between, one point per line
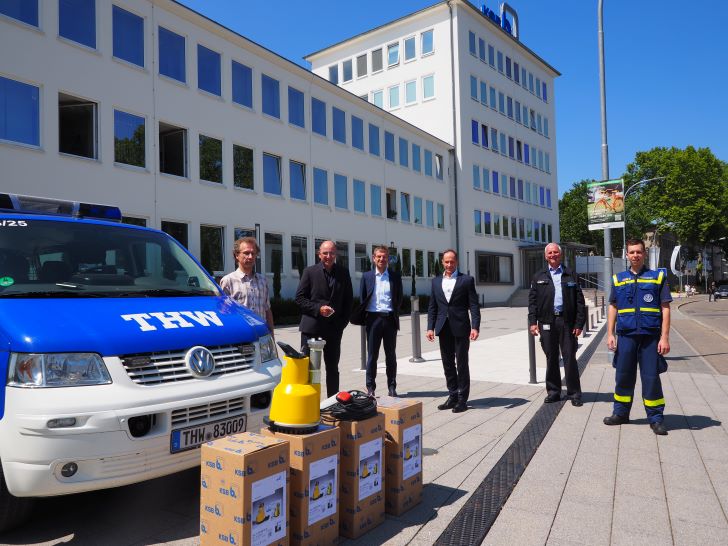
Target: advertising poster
605 204
322 489
370 468
411 451
269 510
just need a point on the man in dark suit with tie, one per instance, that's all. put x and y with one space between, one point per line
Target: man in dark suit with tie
325 296
381 296
452 296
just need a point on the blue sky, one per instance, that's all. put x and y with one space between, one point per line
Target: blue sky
667 82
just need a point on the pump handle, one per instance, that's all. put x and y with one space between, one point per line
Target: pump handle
290 351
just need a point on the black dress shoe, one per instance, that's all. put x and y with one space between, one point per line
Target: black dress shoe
577 402
449 404
616 420
460 407
659 429
393 393
551 399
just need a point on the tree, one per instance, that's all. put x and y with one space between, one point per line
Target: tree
691 202
573 219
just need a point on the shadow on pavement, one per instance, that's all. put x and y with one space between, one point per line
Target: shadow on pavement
497 402
425 394
682 422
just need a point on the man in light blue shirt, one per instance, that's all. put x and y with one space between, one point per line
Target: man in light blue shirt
381 294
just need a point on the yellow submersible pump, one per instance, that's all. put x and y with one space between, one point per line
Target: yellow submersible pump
295 405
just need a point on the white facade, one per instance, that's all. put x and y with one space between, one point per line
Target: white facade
452 43
49 72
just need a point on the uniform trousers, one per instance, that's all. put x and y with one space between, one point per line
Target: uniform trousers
632 349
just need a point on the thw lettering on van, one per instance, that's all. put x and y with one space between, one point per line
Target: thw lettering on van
173 319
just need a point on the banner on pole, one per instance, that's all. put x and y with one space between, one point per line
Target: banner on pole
605 204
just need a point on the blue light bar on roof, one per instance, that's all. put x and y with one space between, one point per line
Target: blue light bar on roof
43 205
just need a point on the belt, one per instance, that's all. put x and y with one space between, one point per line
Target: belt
381 313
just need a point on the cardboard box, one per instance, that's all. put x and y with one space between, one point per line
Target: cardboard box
362 476
403 453
244 491
314 487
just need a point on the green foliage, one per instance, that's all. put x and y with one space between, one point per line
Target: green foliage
277 266
130 151
573 219
285 311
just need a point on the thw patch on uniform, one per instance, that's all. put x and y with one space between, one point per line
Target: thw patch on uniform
648 298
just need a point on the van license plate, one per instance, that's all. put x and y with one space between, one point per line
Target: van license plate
191 437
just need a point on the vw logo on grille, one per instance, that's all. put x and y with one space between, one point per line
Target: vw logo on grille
200 361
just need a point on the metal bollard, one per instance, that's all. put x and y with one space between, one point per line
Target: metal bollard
588 319
363 331
531 356
416 341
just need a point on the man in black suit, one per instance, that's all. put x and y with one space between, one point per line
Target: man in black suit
381 296
452 296
325 296
557 312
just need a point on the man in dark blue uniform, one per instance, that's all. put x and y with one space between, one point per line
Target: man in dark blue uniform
639 307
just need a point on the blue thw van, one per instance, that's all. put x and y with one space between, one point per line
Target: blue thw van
119 355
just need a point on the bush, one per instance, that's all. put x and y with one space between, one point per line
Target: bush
285 311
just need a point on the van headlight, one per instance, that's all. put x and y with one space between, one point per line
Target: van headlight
268 350
57 370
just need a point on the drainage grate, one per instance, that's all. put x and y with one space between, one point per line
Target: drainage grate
476 517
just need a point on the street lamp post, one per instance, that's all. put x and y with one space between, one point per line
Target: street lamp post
624 230
605 146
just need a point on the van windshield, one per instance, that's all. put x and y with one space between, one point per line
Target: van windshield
45 258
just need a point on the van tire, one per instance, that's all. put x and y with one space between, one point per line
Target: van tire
13 510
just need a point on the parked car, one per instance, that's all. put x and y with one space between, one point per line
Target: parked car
721 291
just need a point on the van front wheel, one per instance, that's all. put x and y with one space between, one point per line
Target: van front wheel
13 510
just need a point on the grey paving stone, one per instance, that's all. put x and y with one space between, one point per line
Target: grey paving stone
644 483
522 527
695 507
691 477
636 516
689 534
582 522
632 537
540 495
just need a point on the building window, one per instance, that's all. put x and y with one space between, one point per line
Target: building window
471 43
518 112
495 182
295 107
128 31
359 196
428 87
77 21
530 82
361 65
388 146
538 87
410 92
378 98
516 75
483 94
393 93
428 163
272 174
374 140
391 203
342 254
357 133
19 110
211 248
486 180
271 96
524 81
406 262
410 49
273 252
361 258
129 139
505 226
334 74
242 167
339 123
429 213
440 216
514 227
25 11
242 77
543 92
77 126
172 150
341 198
346 71
438 166
375 197
133 221
321 186
529 230
299 253
210 159
546 127
473 88
404 199
428 42
548 197
418 211
416 159
492 98
474 131
172 55
509 107
403 152
486 223
208 70
520 189
503 149
478 226
476 177
508 67
501 103
500 62
496 224
318 116
481 49
484 136
432 264
491 56
511 147
377 60
297 175
494 268
177 230
393 54
504 185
